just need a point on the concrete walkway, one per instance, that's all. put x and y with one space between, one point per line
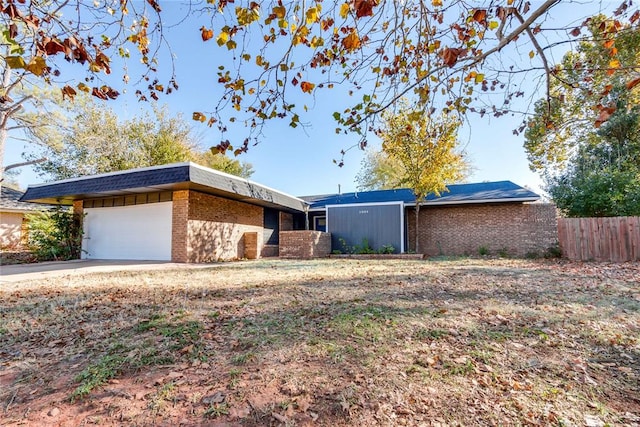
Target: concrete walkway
44 270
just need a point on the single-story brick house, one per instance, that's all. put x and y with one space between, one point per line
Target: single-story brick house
185 212
180 212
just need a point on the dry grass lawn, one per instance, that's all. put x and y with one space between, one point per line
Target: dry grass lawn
326 342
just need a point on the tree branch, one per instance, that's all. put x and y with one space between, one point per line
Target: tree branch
27 163
473 61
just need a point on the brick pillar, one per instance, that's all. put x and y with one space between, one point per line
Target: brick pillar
251 245
180 227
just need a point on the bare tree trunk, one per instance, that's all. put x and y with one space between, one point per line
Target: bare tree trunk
417 227
3 140
4 111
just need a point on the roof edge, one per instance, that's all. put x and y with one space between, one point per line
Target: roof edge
122 172
246 180
475 201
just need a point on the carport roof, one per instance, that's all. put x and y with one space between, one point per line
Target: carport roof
175 176
483 192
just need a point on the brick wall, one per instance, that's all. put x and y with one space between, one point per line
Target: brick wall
216 227
518 228
179 226
286 221
304 244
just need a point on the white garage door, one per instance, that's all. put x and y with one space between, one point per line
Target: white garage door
139 232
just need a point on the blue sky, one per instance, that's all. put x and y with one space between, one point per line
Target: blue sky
300 161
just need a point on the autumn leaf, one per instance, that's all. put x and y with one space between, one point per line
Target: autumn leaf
279 12
450 55
53 47
102 61
223 38
246 16
436 3
532 54
613 65
480 16
15 62
605 113
69 92
633 83
99 94
37 66
575 32
351 42
313 15
344 10
206 34
307 87
364 7
199 117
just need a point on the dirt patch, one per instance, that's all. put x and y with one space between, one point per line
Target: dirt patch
326 342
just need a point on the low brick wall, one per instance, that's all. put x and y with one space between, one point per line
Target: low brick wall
516 228
304 244
269 251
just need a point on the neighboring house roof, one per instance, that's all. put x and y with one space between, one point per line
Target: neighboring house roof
10 201
175 176
482 192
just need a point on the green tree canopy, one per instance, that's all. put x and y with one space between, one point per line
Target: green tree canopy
89 138
585 93
222 162
584 140
378 171
603 179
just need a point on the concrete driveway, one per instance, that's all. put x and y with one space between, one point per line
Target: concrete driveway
45 270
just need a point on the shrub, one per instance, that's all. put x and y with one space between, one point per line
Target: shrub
503 253
346 248
364 247
532 255
483 250
386 249
553 251
55 235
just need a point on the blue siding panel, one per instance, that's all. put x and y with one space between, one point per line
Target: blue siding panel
380 225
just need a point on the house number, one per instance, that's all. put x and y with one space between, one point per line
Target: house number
364 212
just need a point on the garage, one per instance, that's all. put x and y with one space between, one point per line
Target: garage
137 232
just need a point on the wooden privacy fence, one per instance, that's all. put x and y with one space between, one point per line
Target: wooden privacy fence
615 239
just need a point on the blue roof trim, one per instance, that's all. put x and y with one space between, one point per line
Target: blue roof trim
483 192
